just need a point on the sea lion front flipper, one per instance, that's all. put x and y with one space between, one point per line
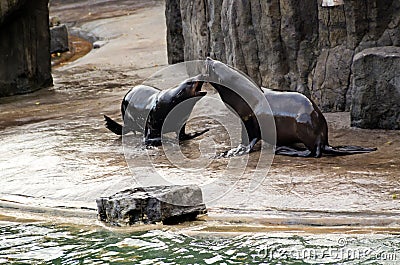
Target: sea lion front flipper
290 151
153 141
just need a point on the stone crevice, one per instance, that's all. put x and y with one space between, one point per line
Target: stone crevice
25 47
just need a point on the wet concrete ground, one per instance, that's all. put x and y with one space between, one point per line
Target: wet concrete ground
56 155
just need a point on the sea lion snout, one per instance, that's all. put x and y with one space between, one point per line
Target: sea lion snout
193 88
197 85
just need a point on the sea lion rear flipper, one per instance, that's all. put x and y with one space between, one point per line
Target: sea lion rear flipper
347 150
113 125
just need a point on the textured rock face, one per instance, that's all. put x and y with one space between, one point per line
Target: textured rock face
376 88
175 43
287 44
24 46
167 204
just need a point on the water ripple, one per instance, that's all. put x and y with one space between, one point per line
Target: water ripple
46 244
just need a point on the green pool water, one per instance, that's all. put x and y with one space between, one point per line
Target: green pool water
50 244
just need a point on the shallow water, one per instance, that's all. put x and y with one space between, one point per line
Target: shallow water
54 244
56 152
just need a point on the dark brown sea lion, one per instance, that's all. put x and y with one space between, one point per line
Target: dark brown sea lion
144 109
297 118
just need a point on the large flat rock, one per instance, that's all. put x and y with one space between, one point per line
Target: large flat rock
148 205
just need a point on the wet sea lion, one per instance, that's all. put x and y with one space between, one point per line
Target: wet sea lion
297 118
144 109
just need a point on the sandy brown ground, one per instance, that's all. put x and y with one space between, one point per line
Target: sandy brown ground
57 155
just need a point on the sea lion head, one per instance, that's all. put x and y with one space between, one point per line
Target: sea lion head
191 88
188 89
178 102
220 73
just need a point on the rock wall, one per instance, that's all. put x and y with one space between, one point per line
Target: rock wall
24 47
175 42
7 7
294 45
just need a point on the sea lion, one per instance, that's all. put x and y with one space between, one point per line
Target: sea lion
297 118
144 109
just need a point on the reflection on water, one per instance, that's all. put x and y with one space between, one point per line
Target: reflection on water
49 244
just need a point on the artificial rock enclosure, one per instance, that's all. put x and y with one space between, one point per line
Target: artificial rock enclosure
303 46
319 48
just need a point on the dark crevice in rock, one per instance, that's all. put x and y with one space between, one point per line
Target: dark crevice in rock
173 220
24 47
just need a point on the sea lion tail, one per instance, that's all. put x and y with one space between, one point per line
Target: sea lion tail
113 126
347 150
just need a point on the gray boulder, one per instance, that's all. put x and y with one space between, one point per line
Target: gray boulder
376 88
148 205
59 39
